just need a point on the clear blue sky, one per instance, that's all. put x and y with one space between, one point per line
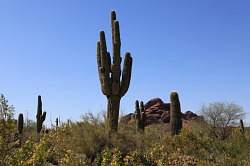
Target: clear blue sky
201 48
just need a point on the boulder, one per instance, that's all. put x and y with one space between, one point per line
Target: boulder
189 115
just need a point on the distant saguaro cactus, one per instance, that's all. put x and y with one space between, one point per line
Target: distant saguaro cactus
175 114
20 123
40 116
113 84
140 116
20 128
242 128
57 122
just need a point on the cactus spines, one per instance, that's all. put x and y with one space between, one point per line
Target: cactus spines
40 116
114 83
242 128
140 116
175 114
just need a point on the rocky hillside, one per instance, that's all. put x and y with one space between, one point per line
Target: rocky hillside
158 112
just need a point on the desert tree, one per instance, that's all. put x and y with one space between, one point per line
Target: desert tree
6 110
221 117
6 116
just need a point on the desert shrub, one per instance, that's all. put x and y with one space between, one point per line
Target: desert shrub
86 137
50 149
30 154
85 142
137 158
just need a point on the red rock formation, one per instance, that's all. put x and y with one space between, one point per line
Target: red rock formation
158 112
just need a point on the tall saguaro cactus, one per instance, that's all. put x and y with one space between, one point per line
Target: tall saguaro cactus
140 116
20 128
175 114
114 83
40 116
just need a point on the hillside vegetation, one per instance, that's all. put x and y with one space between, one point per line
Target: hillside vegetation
86 142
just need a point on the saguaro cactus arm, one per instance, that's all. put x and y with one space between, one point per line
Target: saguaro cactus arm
116 40
43 117
103 61
126 74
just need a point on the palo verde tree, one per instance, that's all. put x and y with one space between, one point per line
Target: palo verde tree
114 83
220 116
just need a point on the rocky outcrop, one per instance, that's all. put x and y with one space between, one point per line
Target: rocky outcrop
157 111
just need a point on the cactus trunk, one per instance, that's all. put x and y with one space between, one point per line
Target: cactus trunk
114 82
175 114
113 112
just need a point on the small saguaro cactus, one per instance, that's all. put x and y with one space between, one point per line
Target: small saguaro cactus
40 116
175 114
140 116
242 128
20 128
20 123
114 83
